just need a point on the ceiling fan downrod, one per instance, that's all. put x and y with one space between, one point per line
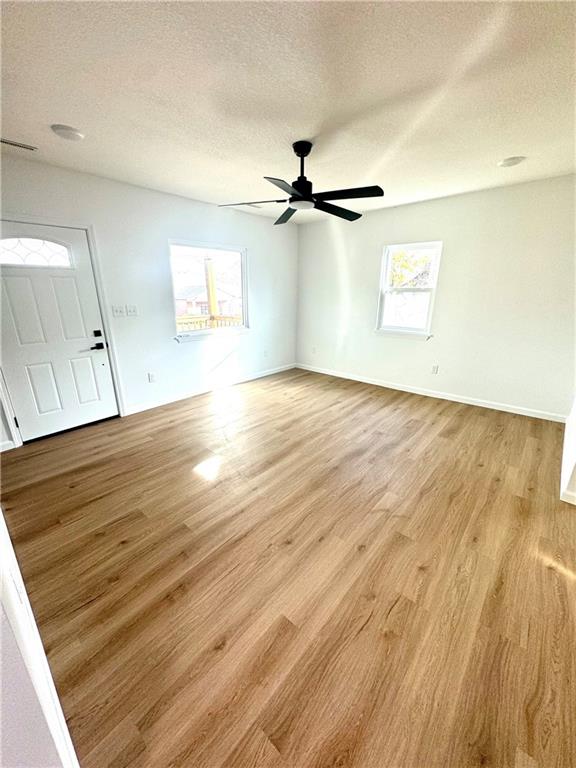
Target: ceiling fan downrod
302 149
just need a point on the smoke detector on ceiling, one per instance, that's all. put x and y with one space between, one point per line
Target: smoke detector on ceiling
508 162
67 132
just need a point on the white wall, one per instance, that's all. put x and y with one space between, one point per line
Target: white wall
503 323
131 228
43 733
24 736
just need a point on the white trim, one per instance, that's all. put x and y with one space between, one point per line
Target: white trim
6 405
243 251
385 266
19 612
568 470
139 407
232 330
106 318
508 407
422 335
104 305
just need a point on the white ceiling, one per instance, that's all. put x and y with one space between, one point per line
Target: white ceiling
204 99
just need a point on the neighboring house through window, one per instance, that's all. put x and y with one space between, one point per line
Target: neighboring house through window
208 288
407 287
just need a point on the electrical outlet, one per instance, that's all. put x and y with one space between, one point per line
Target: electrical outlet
151 378
118 310
131 310
313 350
435 368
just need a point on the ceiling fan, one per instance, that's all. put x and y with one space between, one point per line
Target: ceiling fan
303 198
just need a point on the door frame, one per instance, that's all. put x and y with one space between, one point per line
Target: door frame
104 305
15 440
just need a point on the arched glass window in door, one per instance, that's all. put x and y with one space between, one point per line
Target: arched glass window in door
31 252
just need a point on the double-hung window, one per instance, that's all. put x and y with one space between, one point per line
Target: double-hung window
407 287
209 288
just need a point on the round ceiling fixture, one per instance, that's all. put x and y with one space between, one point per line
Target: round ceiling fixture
67 132
508 162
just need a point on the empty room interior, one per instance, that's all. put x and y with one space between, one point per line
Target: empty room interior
287 388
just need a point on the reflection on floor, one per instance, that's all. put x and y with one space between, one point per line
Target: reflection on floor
304 571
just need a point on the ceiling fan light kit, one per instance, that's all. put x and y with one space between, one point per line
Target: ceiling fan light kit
303 198
302 205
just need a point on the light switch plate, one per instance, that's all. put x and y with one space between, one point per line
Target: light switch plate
131 310
118 310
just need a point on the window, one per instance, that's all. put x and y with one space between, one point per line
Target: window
407 287
208 288
30 252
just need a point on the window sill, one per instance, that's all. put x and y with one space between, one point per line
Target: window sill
422 335
183 338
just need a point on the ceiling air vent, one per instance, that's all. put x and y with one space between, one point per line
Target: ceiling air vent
18 144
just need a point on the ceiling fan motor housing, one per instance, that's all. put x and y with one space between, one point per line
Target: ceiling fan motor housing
303 187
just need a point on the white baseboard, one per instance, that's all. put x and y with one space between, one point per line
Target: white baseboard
139 407
568 496
441 395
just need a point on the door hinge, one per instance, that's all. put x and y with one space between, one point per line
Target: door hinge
16 422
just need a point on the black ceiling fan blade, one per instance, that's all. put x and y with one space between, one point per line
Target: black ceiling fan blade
288 213
253 202
348 194
335 210
284 186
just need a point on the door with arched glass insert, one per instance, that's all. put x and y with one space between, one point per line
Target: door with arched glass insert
54 355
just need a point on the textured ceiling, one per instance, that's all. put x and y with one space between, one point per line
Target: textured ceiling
204 99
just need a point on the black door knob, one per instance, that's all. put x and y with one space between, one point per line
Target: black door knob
98 345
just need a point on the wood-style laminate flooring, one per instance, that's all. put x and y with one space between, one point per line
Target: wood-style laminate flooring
304 572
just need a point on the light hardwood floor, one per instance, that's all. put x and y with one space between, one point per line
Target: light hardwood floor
305 572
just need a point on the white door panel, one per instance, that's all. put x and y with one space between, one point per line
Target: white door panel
50 314
44 388
69 309
22 308
85 379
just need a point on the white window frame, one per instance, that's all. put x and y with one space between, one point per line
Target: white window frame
383 290
190 335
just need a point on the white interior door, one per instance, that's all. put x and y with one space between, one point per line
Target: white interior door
54 354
